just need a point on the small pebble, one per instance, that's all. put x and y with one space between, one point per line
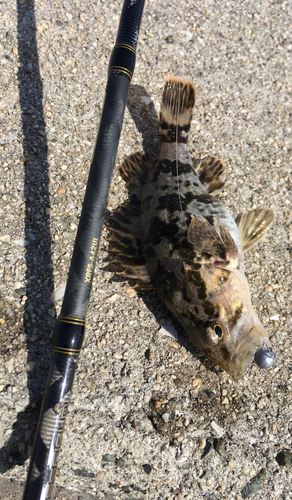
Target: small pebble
58 293
100 430
210 394
178 382
255 484
146 99
108 458
83 473
186 466
10 364
126 489
108 275
52 312
165 417
112 299
202 443
5 238
217 428
30 366
101 475
168 330
120 462
208 448
118 433
147 468
90 385
197 382
261 403
129 292
174 344
57 408
137 488
220 446
284 458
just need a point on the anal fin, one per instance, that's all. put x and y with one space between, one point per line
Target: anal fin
211 173
253 225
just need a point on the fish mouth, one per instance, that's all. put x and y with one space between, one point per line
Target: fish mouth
241 358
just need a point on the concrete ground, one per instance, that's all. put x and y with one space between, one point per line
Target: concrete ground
139 426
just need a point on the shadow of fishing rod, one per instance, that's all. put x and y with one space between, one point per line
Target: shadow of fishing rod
37 324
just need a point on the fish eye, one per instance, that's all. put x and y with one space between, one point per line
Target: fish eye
214 333
218 331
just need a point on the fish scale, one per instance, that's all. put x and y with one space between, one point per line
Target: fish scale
174 235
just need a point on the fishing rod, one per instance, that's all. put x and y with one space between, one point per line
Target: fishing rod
69 331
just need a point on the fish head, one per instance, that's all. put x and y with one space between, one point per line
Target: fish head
222 322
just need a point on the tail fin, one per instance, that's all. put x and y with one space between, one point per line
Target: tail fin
178 101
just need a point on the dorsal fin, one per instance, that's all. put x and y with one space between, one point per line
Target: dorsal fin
214 248
253 225
132 171
211 172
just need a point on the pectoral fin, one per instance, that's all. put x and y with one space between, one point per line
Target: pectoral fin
217 249
211 172
126 245
253 225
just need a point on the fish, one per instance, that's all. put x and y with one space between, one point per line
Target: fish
174 234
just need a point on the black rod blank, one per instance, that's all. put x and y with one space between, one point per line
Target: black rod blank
70 326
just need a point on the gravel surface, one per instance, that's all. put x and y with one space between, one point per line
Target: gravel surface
150 418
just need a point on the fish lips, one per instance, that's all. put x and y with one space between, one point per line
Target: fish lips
255 342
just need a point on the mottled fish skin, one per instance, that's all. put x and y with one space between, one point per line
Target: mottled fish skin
190 243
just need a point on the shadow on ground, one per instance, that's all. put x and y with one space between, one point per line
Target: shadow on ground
37 323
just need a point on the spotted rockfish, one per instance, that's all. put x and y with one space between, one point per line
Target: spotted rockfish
174 235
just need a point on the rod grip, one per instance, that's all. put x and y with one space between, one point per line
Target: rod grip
67 342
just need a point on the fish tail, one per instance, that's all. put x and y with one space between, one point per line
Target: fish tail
178 101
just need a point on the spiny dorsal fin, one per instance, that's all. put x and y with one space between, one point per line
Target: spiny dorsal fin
219 250
253 225
176 111
132 171
211 172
